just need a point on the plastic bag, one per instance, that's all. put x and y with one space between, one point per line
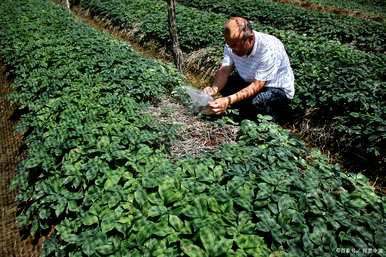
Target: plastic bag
199 99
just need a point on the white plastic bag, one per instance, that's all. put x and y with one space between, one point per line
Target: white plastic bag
199 99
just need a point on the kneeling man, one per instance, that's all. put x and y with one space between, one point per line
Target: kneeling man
264 81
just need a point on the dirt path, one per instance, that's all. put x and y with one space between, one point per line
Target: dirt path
12 243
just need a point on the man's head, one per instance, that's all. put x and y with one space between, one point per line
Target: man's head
239 36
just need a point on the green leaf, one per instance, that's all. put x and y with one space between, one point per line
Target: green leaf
112 181
156 211
173 238
265 191
60 207
168 192
105 249
103 143
241 253
191 250
126 219
318 233
329 201
176 222
260 203
88 248
89 220
248 241
208 239
213 205
44 213
172 196
308 245
69 238
107 225
358 203
341 217
149 182
267 223
273 208
154 198
140 197
73 206
224 247
145 231
358 242
218 172
245 224
191 212
114 199
163 230
286 202
331 241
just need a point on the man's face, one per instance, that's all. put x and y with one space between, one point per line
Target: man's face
241 46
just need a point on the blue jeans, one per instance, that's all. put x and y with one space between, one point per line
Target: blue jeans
269 101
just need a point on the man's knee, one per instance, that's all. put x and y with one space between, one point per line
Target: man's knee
270 97
271 102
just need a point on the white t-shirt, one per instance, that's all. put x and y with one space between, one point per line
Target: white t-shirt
268 62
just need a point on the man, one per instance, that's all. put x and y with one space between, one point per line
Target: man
265 80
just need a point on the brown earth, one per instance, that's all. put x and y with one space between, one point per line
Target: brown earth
13 243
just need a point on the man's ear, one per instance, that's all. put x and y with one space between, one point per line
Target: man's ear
250 40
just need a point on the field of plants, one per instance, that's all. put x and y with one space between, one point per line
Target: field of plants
98 169
362 34
343 87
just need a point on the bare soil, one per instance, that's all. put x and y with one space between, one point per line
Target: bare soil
13 242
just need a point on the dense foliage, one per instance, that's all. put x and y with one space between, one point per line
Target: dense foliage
375 7
98 168
344 87
363 34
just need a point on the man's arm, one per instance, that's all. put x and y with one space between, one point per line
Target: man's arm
246 92
220 105
220 80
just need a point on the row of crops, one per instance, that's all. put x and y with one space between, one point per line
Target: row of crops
376 7
98 168
363 34
344 87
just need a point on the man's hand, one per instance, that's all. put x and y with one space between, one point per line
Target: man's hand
210 90
219 105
